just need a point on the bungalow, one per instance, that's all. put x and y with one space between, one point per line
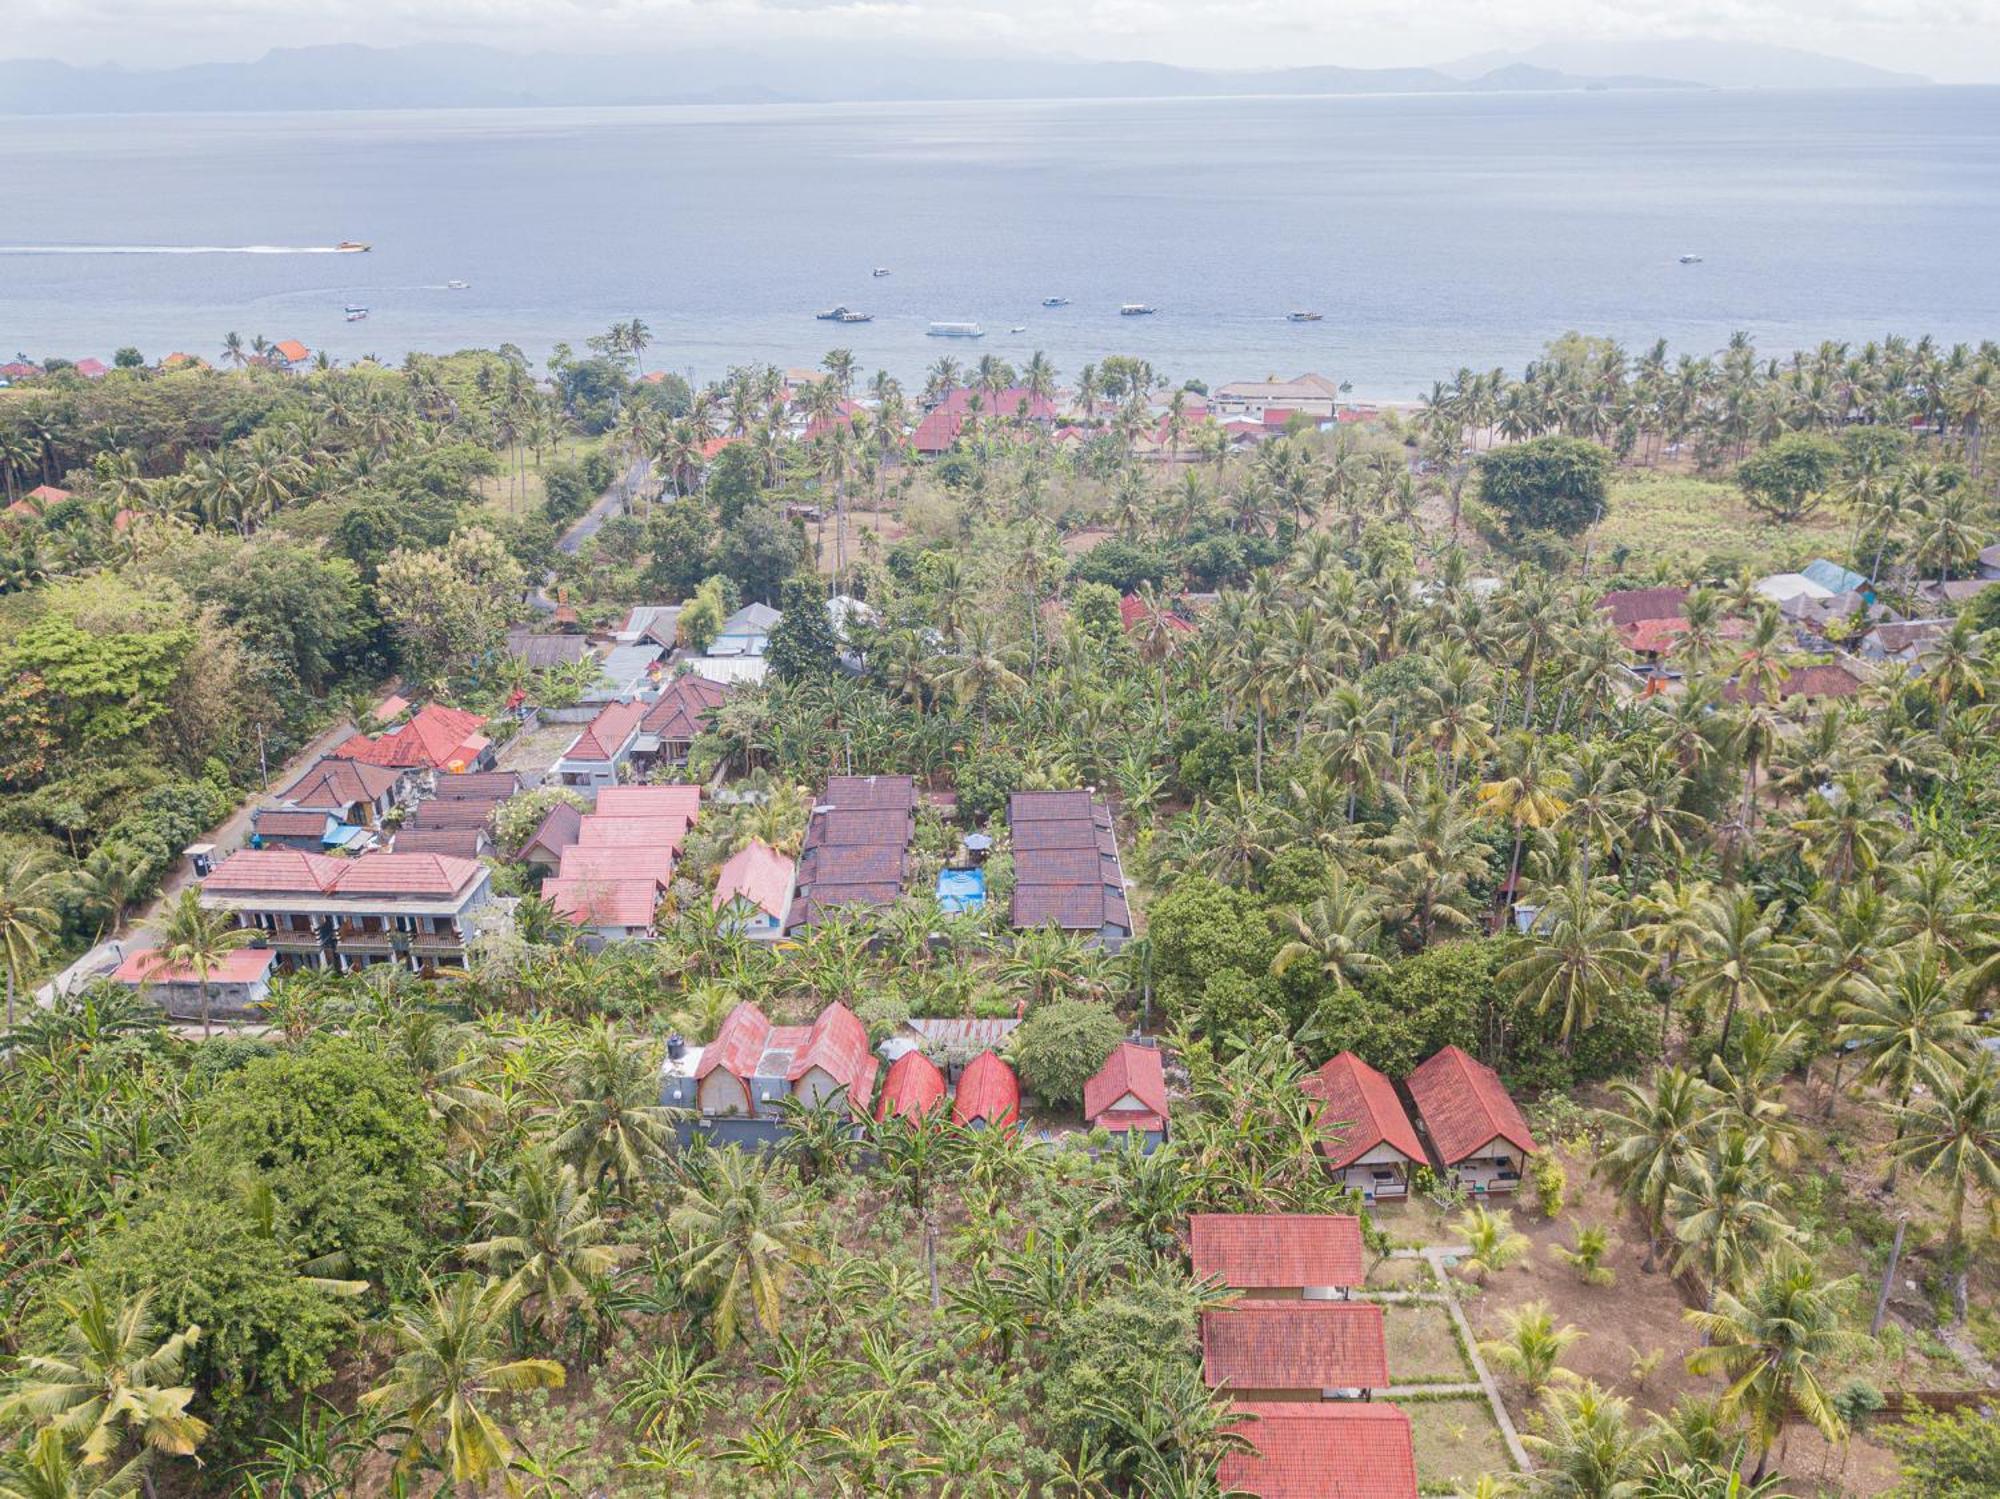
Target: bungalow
437 815
601 863
736 1083
478 785
1476 1132
1128 1095
1809 684
1247 400
683 802
753 891
1296 1350
610 910
914 1088
544 849
747 632
91 368
989 1094
1366 1139
1326 1450
289 355
685 708
457 843
238 983
351 790
1066 868
856 848
1279 1256
311 832
598 831
598 755
436 738
1905 642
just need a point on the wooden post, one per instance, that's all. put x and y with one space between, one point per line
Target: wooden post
1888 1278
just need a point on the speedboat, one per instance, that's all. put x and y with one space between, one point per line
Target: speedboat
1055 301
352 247
356 314
833 314
954 330
1136 309
1302 317
1020 328
1690 260
457 285
879 272
847 316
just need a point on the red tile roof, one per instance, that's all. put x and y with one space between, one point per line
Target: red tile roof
460 843
1132 612
558 830
1295 1345
988 1091
466 812
1464 1105
759 874
91 368
407 874
837 1043
1130 1069
650 801
1334 1449
245 965
608 733
1361 1112
599 831
748 1045
913 1086
1627 606
1276 1251
1829 679
256 871
291 350
595 902
684 707
478 785
47 494
937 431
280 871
436 738
611 862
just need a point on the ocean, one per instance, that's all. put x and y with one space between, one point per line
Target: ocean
1431 232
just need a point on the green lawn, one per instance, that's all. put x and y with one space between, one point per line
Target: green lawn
510 494
1660 517
1423 1349
1456 1442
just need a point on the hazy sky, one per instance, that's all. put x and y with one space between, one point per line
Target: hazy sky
1952 40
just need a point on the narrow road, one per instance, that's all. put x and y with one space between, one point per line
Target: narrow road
612 502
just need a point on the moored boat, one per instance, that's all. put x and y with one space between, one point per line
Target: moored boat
1137 309
1055 301
955 330
1302 317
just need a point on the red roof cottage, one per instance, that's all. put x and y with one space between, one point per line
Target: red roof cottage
752 1064
989 1094
1366 1139
1129 1094
613 910
1475 1130
437 738
237 983
1322 1451
753 891
914 1087
1286 1256
1296 1350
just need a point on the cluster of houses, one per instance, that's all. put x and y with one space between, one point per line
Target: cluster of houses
607 870
1299 1359
1460 1122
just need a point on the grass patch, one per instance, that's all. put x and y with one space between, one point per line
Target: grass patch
511 494
1456 1442
1423 1345
1662 516
1402 1275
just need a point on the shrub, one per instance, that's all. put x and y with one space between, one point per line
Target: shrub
1558 484
1060 1046
1550 1181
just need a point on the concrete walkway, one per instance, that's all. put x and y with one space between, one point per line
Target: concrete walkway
1436 1257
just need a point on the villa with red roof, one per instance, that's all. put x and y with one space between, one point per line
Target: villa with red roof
1322 1450
1279 1256
914 1088
603 749
611 910
436 738
736 1084
1475 1129
1366 1138
288 354
1296 1350
355 792
417 910
989 1094
753 891
237 983
1128 1095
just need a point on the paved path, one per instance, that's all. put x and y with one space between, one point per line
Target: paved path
612 502
1436 1256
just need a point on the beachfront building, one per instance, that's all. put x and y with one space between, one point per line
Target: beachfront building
1366 1138
753 891
419 911
1295 1350
1308 395
1322 1450
1476 1132
1128 1095
238 983
1066 868
1279 1256
735 1086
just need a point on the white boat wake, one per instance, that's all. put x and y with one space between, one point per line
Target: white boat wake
171 250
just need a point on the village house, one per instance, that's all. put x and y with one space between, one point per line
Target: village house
435 738
1322 1450
1296 1350
1903 643
478 785
609 910
238 983
625 672
313 832
913 1088
1366 1139
458 843
416 910
1128 1095
988 1094
289 355
1066 868
1477 1134
685 707
753 891
441 813
540 652
352 791
1827 681
650 624
558 830
856 850
654 862
1309 395
602 752
1279 1256
735 1085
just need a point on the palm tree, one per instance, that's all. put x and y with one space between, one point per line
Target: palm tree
449 1364
1774 1344
1337 933
743 1243
1725 1215
1533 1345
195 939
614 1125
44 1469
1739 958
1526 793
1908 1024
233 352
1953 1132
547 1236
29 887
1586 1258
1656 1144
110 1380
1587 1447
1581 954
1491 1237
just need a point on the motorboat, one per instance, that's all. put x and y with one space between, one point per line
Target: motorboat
1019 328
1302 317
847 315
1055 301
879 272
954 330
356 314
352 247
457 285
1137 309
1690 260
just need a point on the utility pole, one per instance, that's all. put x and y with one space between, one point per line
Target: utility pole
1888 1278
263 765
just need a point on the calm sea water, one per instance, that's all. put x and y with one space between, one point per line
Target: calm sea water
1431 232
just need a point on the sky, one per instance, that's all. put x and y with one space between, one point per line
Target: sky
1949 40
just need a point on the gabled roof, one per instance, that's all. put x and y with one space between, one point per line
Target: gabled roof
243 965
1295 1345
281 822
1332 1449
1308 387
914 1086
759 874
988 1091
286 871
1276 1251
650 801
607 734
1361 1112
466 812
614 863
558 829
1464 1106
748 1045
594 902
406 874
1627 606
460 843
683 706
1132 1069
598 831
435 738
280 871
291 350
478 785
45 495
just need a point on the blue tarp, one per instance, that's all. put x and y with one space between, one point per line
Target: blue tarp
961 890
342 835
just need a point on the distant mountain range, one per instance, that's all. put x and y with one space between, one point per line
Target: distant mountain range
1711 63
441 76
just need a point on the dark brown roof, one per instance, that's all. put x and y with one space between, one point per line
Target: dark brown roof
867 863
460 843
336 784
880 793
856 846
277 822
478 785
842 828
1066 869
683 708
1049 806
1829 679
559 829
1628 606
468 812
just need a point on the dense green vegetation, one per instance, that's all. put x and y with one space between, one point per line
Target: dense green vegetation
425 1236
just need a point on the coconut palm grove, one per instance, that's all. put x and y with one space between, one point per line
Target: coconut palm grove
1048 933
